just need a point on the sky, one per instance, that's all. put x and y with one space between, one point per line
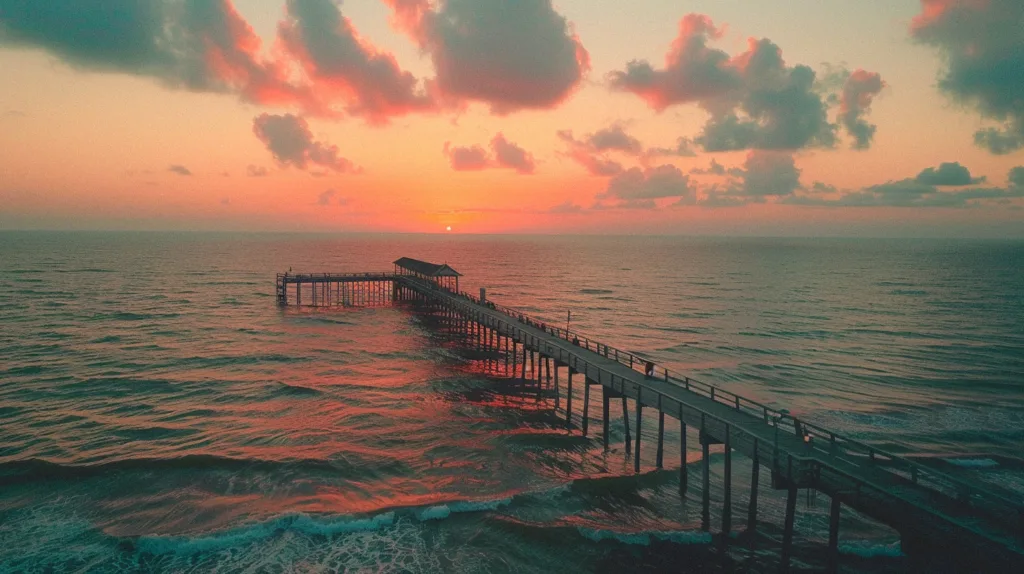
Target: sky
690 117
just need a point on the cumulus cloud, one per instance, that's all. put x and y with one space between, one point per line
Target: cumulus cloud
566 208
858 93
506 155
510 54
291 142
257 171
201 45
345 67
983 49
947 174
473 158
755 99
921 191
592 151
683 148
642 187
179 169
764 175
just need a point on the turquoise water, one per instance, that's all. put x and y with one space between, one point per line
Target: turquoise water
159 413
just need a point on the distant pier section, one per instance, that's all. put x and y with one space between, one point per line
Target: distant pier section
968 526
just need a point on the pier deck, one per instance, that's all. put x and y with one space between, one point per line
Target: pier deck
934 512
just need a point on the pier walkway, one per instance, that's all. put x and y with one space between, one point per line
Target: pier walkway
934 513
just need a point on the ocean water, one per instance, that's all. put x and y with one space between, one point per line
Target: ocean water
159 413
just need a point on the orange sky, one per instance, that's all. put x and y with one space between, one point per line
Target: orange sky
96 136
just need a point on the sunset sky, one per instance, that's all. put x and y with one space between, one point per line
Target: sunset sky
802 117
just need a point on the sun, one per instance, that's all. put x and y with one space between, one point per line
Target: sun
449 228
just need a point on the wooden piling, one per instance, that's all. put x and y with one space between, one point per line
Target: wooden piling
787 534
684 477
705 447
625 421
754 479
833 535
606 399
660 459
639 430
557 397
727 484
586 405
568 401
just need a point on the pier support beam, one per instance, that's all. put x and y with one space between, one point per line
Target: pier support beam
606 399
660 463
586 405
558 397
787 534
833 535
727 484
705 513
568 402
754 479
625 421
684 478
639 430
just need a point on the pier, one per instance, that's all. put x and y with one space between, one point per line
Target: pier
963 524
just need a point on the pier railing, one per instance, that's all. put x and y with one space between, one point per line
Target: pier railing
817 438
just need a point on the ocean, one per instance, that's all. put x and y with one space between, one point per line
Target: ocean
159 412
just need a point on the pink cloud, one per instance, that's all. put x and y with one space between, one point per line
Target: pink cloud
290 140
858 93
506 155
509 54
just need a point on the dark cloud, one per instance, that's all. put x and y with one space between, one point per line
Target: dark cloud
983 47
755 100
614 138
716 168
646 185
291 142
948 174
693 73
510 54
508 154
591 151
326 197
179 169
201 45
473 158
566 208
257 171
346 67
769 174
915 193
858 93
683 148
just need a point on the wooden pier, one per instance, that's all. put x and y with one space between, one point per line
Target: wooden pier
962 524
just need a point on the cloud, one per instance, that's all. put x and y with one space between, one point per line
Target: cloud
512 156
769 174
693 72
325 198
510 54
683 148
199 45
472 158
614 138
755 100
476 158
566 208
917 193
180 170
591 151
983 49
291 142
257 171
346 67
858 93
947 174
644 186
